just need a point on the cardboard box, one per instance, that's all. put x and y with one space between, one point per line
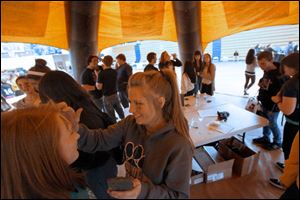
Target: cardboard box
245 159
214 166
197 175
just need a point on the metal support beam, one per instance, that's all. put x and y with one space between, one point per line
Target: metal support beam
187 27
82 19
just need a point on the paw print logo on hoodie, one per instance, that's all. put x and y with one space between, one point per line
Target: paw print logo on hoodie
134 159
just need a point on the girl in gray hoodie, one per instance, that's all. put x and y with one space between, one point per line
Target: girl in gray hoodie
158 149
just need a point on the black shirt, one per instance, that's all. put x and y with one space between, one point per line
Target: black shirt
150 67
175 62
93 118
88 77
291 89
108 78
272 81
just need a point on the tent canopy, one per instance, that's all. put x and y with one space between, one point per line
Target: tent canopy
127 21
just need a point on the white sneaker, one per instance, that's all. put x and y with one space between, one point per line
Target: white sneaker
276 182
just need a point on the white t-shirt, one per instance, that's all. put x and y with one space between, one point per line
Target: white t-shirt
186 84
251 67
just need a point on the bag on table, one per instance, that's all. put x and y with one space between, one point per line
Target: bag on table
253 105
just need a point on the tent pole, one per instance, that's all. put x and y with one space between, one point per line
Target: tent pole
82 19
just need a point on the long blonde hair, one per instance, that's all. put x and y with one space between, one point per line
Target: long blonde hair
164 57
31 163
164 84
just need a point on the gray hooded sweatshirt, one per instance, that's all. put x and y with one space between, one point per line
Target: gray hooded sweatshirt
162 161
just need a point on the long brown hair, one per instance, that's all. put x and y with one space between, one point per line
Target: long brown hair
164 84
250 56
209 64
31 163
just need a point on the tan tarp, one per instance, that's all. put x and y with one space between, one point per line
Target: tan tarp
120 22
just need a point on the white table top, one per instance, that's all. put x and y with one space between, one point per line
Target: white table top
202 102
240 120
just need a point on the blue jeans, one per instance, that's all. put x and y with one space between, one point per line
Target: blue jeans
272 127
112 103
123 95
198 84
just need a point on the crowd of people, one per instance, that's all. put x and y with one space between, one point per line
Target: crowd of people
64 140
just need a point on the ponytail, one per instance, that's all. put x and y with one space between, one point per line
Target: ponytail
172 110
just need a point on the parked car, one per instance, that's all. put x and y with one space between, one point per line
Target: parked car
6 90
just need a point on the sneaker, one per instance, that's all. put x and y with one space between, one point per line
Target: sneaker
276 145
280 166
261 140
275 182
271 146
267 146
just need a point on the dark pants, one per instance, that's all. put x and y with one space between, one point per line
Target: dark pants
99 103
289 133
207 89
248 77
123 95
97 178
291 192
112 104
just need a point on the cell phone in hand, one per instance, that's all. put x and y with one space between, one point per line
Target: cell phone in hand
120 183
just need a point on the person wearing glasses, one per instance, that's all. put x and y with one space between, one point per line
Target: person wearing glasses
157 146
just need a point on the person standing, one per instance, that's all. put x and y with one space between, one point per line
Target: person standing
107 81
188 79
58 86
124 71
151 57
251 64
165 57
287 100
236 55
158 148
198 67
36 72
88 81
289 179
270 85
208 76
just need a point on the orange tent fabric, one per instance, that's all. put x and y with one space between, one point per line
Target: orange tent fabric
126 21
